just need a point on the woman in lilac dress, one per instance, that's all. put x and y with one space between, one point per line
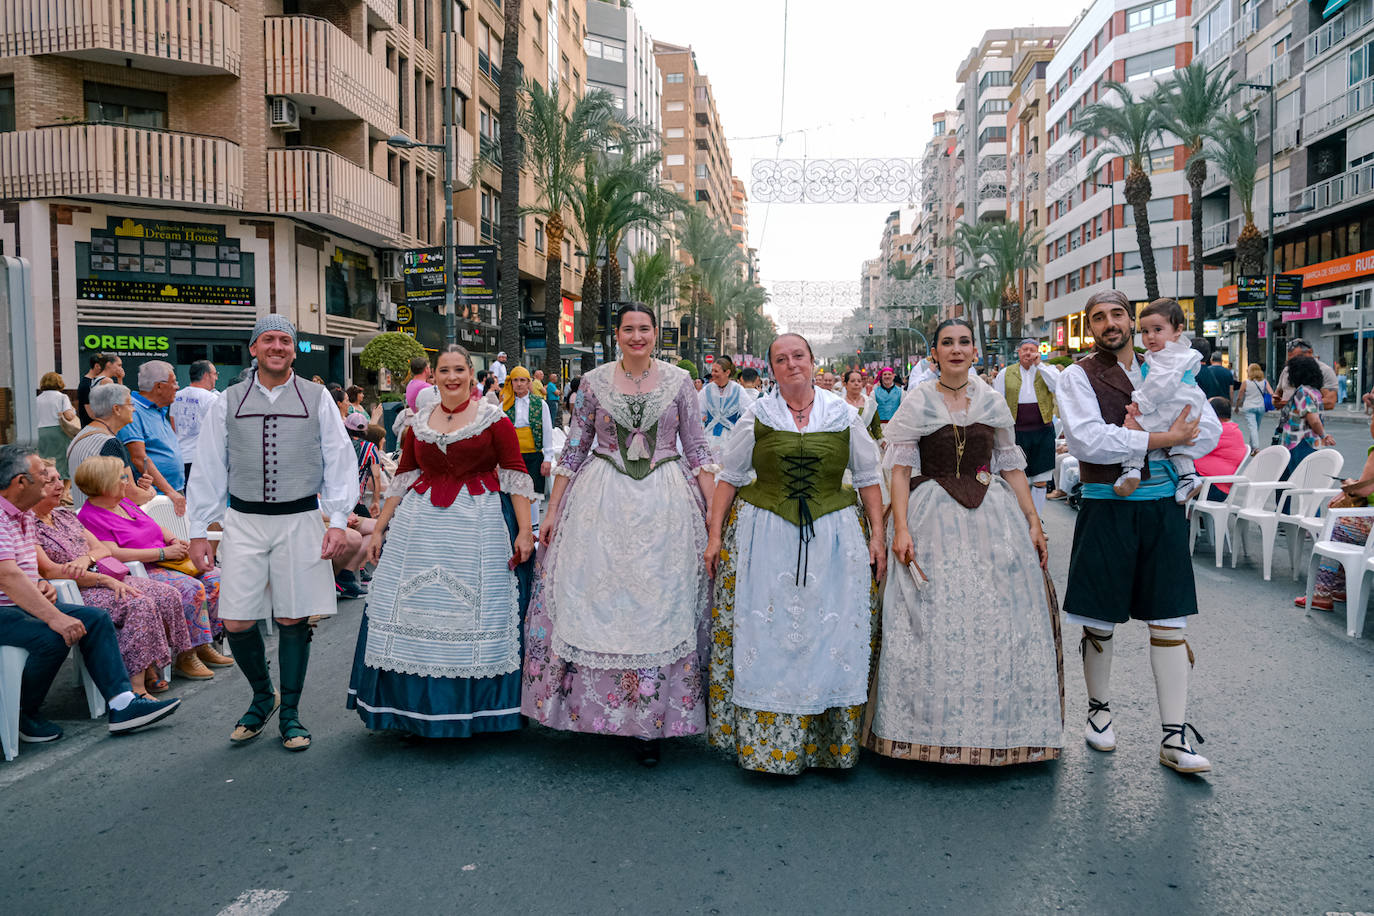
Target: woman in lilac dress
616 633
130 534
146 614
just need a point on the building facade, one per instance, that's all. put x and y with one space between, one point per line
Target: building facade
170 180
1090 241
1026 145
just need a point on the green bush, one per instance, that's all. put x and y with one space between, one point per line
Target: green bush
392 351
690 366
1060 361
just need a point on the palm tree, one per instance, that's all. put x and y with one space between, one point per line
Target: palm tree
1236 154
970 241
509 230
653 275
1190 106
1128 131
559 139
637 200
1011 249
714 256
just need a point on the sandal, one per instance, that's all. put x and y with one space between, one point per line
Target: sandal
158 685
255 719
294 736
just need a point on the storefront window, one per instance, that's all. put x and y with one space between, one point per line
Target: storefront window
350 289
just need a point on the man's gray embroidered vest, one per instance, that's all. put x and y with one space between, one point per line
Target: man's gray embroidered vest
274 448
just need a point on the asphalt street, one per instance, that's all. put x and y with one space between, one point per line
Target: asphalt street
175 821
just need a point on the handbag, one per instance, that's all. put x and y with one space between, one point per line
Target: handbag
1348 500
185 566
1268 398
71 428
111 567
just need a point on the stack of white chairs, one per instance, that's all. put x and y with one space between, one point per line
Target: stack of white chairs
1264 467
1307 490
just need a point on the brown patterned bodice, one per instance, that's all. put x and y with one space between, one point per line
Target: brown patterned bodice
958 476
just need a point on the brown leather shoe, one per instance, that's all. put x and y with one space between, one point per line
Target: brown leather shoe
189 666
207 654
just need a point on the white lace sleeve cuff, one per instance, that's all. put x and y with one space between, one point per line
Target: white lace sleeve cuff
563 471
1009 458
872 479
705 469
735 480
401 484
907 454
516 483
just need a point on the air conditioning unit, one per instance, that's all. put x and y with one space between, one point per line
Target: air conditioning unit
391 265
282 112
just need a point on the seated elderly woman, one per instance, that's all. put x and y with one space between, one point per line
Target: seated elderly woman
111 408
111 514
1227 457
149 625
1330 585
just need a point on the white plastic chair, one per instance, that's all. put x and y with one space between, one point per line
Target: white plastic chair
1265 466
1356 559
160 510
1309 483
68 593
12 661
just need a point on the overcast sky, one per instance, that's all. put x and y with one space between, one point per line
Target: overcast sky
863 79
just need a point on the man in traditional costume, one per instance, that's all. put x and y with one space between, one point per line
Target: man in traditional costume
1028 386
1130 555
273 448
533 424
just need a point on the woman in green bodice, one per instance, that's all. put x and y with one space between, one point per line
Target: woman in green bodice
795 597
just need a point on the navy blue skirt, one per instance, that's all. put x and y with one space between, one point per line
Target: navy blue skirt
442 707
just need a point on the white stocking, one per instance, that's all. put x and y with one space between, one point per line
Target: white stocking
1171 659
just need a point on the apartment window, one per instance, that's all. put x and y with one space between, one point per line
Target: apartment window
675 133
679 186
592 47
1160 211
993 106
421 113
488 51
1130 261
350 287
1155 63
672 77
992 135
1208 27
430 197
675 106
403 63
675 159
538 236
1061 247
404 186
520 227
701 170
563 68
1142 17
1161 160
538 30
122 105
6 108
491 213
611 52
1281 46
618 101
994 78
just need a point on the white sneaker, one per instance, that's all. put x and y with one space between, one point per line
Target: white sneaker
1100 736
1177 754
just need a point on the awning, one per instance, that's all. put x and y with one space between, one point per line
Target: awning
1333 6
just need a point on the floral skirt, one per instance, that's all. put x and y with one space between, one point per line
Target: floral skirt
149 626
660 702
199 601
770 742
1330 579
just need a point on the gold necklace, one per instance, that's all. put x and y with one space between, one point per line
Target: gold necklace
960 441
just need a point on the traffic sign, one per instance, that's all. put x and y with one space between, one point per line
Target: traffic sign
710 358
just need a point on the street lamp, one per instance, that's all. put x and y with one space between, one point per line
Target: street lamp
401 141
1269 314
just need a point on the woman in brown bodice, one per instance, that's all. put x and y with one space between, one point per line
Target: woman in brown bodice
969 669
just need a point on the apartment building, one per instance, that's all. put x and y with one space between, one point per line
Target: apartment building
1025 183
1319 57
696 162
934 218
171 172
620 60
1090 240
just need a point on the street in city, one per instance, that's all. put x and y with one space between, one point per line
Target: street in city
174 820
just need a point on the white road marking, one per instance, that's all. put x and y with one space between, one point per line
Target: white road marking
255 903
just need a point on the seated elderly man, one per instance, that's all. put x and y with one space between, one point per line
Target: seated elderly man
150 436
30 618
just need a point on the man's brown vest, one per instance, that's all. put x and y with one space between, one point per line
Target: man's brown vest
1113 389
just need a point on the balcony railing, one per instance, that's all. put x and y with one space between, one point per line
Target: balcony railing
313 62
463 68
381 14
1219 235
120 162
1359 98
1330 34
173 36
1219 51
463 161
322 187
1339 189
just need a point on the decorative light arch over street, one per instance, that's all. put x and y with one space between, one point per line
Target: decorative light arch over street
834 181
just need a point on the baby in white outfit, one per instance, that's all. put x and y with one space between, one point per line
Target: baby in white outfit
1169 385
